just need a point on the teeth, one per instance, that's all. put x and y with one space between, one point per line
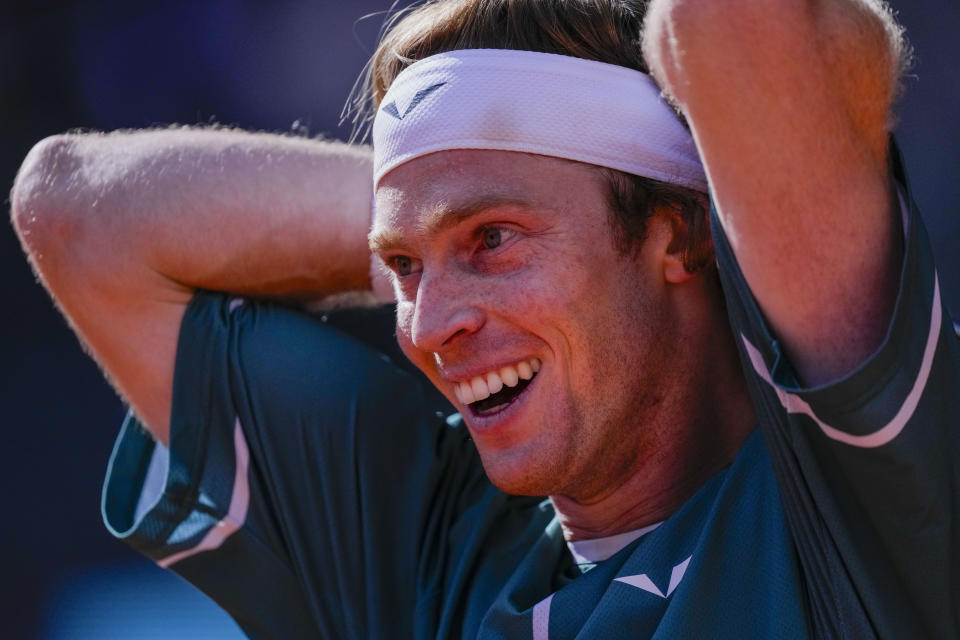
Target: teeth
482 387
525 370
466 393
494 383
480 390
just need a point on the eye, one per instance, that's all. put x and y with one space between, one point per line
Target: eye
493 237
404 265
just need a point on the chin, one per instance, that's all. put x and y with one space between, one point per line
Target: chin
523 479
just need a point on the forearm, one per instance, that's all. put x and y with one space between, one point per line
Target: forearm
122 227
227 210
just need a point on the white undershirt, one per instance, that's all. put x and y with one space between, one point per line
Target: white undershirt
599 549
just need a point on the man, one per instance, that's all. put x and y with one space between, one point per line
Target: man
543 218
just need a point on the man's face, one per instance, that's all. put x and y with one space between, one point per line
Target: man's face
504 264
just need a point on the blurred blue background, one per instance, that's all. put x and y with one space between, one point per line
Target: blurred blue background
261 65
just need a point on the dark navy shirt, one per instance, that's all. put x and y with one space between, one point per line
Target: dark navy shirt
312 490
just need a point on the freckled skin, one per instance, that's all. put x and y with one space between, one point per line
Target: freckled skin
556 289
640 397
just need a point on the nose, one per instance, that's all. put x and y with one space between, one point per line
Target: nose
445 310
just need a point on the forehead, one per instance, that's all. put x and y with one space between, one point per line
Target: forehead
443 187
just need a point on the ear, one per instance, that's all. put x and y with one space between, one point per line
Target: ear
691 246
674 270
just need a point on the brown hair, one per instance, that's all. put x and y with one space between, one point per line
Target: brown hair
604 30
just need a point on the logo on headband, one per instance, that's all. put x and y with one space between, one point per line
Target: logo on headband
391 108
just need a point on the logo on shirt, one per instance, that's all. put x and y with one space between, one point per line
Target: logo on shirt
643 581
418 97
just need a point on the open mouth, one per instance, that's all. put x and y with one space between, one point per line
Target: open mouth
501 399
493 391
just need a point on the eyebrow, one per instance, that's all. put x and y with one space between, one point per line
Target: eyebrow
443 217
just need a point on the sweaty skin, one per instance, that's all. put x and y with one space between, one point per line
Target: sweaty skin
122 227
792 124
503 258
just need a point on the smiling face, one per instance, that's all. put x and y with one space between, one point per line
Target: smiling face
514 301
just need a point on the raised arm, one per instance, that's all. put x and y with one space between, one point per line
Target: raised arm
789 102
122 227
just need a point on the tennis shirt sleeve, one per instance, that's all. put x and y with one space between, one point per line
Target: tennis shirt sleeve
303 479
869 465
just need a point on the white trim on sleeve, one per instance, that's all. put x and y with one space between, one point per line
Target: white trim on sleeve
154 482
237 512
794 404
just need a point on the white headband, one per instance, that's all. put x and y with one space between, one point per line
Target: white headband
541 103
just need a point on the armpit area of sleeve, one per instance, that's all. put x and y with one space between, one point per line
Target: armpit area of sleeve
905 378
133 512
203 493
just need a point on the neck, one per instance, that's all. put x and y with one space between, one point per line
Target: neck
697 430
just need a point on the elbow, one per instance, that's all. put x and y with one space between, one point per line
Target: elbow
40 209
674 31
683 39
690 21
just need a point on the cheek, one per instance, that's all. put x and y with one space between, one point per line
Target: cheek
420 359
404 324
